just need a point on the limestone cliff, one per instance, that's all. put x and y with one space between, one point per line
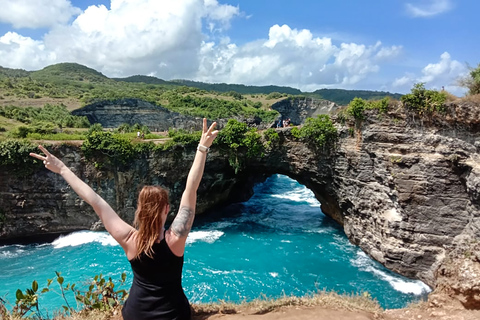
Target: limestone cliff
298 109
111 114
404 188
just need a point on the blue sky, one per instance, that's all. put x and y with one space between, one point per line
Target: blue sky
307 44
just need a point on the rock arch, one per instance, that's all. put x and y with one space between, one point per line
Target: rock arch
404 193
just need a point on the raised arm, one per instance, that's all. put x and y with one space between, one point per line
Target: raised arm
181 225
119 229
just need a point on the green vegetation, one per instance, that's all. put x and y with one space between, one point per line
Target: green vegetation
424 101
14 154
240 88
472 81
55 114
109 148
357 107
101 295
271 138
104 297
320 132
214 108
343 97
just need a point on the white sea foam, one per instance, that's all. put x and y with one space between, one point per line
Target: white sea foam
11 251
299 195
83 237
205 236
415 287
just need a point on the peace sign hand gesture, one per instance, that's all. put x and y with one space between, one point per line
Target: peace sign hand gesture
51 162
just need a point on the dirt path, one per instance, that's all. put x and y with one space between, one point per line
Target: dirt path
303 313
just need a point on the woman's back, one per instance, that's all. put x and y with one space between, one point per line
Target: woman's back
157 291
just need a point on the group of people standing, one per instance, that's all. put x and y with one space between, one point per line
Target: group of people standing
283 123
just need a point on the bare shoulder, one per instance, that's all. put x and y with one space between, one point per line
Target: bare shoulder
130 244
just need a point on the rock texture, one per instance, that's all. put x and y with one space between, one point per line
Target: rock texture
111 114
299 109
404 188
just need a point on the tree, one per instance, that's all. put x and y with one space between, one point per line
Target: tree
472 81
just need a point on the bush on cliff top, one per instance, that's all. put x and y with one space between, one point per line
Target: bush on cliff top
15 155
319 131
424 101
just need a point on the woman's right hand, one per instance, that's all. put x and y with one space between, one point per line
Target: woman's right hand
51 162
208 135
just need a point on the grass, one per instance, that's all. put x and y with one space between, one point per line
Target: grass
324 299
328 300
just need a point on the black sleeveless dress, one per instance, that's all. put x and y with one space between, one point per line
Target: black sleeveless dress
156 292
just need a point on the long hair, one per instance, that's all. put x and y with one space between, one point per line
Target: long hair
152 202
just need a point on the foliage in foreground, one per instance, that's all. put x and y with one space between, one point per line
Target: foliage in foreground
102 294
102 297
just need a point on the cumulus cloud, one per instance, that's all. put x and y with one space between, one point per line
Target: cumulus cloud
23 52
293 57
428 8
442 74
161 38
169 39
37 14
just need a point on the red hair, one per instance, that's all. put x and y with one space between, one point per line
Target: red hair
152 203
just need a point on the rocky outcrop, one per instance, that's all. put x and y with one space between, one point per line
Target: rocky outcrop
299 109
111 114
404 188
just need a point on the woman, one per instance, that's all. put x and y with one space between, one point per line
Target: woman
155 254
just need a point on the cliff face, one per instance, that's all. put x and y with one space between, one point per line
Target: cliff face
299 109
111 114
404 189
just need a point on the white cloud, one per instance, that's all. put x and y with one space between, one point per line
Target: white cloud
428 8
445 73
23 52
37 13
294 58
167 39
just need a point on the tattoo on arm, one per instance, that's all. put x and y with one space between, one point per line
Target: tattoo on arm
182 223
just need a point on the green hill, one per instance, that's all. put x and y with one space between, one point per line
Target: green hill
240 88
343 97
12 73
145 79
68 72
64 80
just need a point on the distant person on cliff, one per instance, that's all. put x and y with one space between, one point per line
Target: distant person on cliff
155 254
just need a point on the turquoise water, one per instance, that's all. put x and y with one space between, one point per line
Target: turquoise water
279 242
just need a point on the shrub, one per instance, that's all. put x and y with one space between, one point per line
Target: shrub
233 134
16 153
271 138
101 294
423 100
319 131
356 108
116 148
472 81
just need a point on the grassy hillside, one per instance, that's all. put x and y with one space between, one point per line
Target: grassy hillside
343 97
75 85
62 72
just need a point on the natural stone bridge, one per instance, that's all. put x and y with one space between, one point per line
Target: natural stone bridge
404 190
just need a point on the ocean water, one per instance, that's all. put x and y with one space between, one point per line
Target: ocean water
277 243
